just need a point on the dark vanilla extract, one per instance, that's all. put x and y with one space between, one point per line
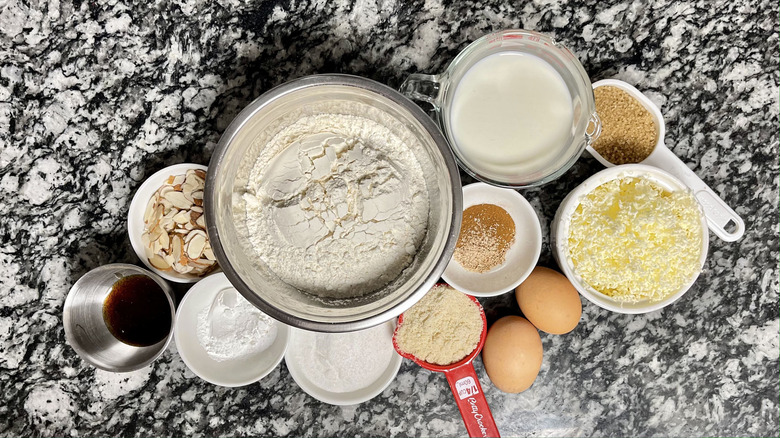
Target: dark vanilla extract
137 312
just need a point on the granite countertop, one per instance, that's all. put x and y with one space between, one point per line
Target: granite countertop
95 96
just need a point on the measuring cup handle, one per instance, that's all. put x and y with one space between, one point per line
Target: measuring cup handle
471 401
593 131
422 87
718 213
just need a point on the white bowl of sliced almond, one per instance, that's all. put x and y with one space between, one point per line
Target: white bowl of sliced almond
167 227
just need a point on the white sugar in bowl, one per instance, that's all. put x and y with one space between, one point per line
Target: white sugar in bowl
214 364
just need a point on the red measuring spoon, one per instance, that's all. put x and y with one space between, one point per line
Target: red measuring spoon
464 384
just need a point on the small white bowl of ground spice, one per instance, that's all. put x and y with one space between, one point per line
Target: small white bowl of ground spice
499 242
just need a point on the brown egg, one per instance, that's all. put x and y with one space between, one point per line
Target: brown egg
512 354
548 299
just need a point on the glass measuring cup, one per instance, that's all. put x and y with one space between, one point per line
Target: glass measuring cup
722 220
439 90
464 384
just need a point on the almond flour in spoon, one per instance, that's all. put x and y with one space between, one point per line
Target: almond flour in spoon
336 205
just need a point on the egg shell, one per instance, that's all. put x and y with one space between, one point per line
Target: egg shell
548 299
512 354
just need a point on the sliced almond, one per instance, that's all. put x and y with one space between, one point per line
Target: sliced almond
195 233
154 234
198 264
209 254
165 242
169 225
184 269
150 207
166 222
155 219
166 204
198 195
182 217
159 263
192 179
176 248
195 246
178 180
200 173
194 215
189 188
198 202
201 222
148 251
157 245
178 200
145 239
164 190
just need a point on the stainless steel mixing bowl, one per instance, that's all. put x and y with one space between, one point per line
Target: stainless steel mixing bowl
237 152
86 331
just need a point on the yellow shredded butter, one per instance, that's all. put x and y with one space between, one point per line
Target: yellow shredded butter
633 240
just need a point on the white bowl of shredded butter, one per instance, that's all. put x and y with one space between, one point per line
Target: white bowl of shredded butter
631 238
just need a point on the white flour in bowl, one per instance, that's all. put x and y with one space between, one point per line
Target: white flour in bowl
336 205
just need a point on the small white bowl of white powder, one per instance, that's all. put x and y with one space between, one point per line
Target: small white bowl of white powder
223 338
343 368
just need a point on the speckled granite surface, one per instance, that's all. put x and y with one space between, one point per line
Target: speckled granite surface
94 96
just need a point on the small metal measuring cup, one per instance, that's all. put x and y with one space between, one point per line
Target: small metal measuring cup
464 384
721 219
86 331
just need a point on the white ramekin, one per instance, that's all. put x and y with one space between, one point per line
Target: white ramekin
559 230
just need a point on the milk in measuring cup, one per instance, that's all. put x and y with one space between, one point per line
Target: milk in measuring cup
511 112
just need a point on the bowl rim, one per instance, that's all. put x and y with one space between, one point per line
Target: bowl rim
214 284
135 216
522 207
373 87
68 306
560 224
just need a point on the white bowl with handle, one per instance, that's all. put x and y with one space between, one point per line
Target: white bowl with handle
722 220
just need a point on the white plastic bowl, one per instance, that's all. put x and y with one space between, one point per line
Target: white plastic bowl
522 255
231 373
341 398
560 232
135 217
